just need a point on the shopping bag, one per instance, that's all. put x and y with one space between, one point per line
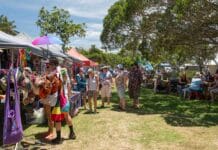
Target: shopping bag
13 130
63 100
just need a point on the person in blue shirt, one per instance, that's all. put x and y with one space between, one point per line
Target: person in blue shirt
81 85
196 84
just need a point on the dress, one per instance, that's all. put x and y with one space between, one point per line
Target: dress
135 80
120 84
105 80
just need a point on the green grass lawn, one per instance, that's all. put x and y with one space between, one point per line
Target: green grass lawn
162 122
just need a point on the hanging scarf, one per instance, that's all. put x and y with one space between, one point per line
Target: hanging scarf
13 130
22 58
56 114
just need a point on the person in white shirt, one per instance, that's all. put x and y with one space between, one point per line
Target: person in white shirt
92 88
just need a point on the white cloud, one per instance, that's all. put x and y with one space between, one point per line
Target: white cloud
92 37
91 10
96 9
95 26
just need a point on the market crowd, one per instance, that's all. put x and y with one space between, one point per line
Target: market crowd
55 87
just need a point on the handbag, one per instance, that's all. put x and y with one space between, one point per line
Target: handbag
63 99
13 130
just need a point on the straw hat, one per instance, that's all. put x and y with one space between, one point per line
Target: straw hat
90 70
105 67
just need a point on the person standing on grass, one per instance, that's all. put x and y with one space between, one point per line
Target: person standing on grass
106 81
92 88
63 87
49 101
135 80
81 85
121 85
66 89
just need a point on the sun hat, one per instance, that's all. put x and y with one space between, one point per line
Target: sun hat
105 67
90 70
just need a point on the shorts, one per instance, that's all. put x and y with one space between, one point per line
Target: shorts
105 91
66 108
92 93
83 94
50 100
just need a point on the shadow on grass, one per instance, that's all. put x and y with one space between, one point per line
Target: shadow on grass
175 111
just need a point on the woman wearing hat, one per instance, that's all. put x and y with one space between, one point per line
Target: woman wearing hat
106 80
92 88
121 85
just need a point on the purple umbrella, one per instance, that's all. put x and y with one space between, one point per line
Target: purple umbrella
46 40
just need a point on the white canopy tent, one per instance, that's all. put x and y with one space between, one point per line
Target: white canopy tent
50 50
12 42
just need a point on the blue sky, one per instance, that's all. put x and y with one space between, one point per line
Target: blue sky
91 12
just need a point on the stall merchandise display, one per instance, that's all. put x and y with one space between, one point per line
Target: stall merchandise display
13 130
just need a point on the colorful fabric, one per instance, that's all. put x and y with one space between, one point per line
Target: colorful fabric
63 100
66 107
56 114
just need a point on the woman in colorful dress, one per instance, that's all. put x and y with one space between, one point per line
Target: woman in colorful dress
121 85
135 80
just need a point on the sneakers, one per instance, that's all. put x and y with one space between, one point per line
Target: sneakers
72 136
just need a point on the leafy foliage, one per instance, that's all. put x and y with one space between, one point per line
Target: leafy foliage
101 57
7 26
58 21
175 31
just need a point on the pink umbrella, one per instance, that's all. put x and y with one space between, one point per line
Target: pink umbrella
46 40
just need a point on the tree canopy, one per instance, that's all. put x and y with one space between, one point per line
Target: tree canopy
7 26
58 21
101 57
175 31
